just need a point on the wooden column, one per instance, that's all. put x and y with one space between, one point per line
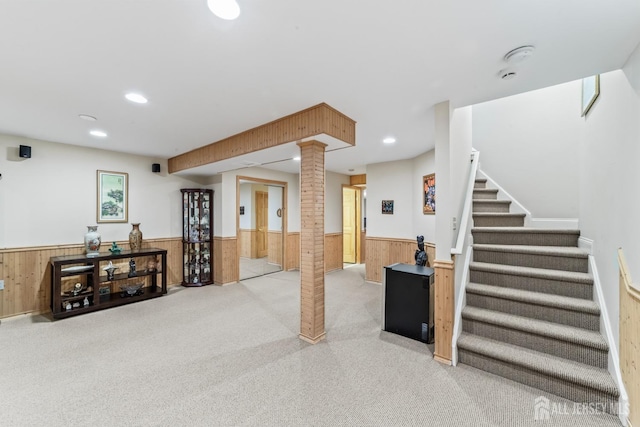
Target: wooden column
312 241
443 310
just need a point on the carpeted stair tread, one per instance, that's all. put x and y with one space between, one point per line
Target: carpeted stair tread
573 372
531 230
537 298
490 201
564 251
498 214
540 273
557 331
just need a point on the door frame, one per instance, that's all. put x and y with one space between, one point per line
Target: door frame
282 184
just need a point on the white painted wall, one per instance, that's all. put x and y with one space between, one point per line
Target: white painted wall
333 201
400 181
530 145
444 198
391 181
423 224
50 199
275 203
460 159
609 169
246 201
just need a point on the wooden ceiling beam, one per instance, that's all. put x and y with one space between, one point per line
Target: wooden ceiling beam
316 120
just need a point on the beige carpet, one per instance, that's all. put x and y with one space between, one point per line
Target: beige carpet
230 356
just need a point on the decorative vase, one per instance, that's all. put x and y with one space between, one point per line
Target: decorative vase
135 237
92 241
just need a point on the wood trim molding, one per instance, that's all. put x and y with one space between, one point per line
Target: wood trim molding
629 287
358 179
316 120
443 310
629 337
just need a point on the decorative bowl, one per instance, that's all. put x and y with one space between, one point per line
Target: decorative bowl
132 290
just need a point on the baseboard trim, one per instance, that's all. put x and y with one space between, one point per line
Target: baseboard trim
442 360
586 244
607 332
313 340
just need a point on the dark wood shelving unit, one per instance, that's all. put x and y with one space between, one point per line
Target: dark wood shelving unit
91 281
197 238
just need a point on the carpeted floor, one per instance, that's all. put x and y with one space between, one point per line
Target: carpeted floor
230 356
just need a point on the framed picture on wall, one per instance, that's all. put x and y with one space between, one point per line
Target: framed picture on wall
112 196
590 91
387 207
429 194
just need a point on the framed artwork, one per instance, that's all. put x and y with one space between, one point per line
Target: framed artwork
429 194
387 207
590 91
112 196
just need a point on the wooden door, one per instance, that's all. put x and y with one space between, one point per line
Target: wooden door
262 223
349 225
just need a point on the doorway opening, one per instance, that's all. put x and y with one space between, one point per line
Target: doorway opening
352 225
261 226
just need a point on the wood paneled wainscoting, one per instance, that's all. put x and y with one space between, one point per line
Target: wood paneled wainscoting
630 339
383 251
292 260
248 247
274 247
226 263
27 276
332 252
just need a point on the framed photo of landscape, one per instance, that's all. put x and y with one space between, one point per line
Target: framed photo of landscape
112 196
429 194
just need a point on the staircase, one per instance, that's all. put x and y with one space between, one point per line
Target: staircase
530 315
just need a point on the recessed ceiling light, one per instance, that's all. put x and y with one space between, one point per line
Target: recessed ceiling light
98 133
136 97
389 140
296 158
519 54
224 9
87 117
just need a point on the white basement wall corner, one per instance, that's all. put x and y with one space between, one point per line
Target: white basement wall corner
333 201
400 181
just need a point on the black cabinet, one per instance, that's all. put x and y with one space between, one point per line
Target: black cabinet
407 301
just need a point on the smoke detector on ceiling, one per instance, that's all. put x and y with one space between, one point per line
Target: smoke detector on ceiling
519 54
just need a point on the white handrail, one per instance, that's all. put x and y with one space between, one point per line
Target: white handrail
466 211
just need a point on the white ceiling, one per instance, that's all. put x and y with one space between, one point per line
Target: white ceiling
383 63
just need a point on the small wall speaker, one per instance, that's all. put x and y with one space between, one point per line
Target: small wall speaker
155 167
25 151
